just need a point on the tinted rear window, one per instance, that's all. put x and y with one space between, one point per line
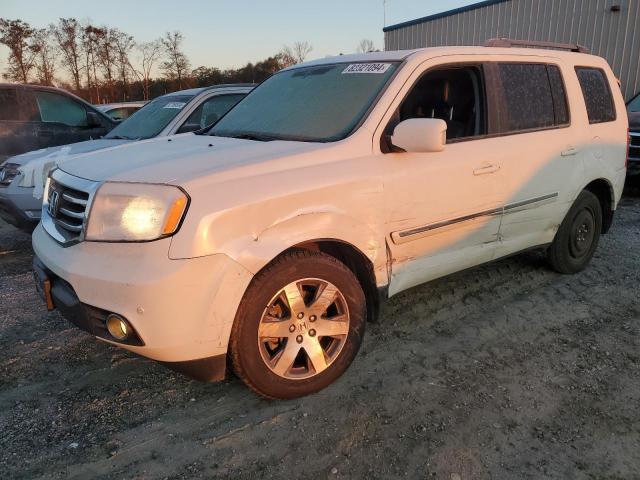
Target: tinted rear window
8 104
597 95
527 95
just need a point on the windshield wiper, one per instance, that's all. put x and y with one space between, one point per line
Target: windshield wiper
252 136
118 137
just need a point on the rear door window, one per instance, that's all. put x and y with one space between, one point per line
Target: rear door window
9 104
60 109
597 95
527 95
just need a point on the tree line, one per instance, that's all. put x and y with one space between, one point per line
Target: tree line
104 64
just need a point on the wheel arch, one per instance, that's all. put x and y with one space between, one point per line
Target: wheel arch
361 266
354 242
603 190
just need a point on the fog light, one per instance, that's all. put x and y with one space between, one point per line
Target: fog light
118 327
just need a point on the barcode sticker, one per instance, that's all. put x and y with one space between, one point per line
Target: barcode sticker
367 68
174 105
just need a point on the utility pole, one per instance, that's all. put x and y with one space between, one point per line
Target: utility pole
384 13
384 20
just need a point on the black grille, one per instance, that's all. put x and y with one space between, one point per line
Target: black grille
66 207
634 146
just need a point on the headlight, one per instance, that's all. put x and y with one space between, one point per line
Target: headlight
8 172
130 212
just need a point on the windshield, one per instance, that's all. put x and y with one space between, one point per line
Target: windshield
322 103
151 119
634 105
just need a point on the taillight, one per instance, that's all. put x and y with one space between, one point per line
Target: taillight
626 163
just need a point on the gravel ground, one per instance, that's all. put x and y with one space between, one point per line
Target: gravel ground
504 371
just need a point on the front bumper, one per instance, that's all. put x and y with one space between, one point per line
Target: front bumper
181 310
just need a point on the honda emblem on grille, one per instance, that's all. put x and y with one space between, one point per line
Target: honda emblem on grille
54 204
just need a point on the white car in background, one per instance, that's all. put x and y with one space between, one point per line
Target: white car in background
22 177
120 111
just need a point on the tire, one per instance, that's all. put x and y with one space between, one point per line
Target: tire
279 324
577 238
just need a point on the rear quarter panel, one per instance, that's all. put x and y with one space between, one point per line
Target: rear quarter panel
603 145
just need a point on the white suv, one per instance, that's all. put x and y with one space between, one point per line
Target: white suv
269 241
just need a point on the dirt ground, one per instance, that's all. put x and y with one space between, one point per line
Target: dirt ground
506 371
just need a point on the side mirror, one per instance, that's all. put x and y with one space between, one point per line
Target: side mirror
420 135
93 120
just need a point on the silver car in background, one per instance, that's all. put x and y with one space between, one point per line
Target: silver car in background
22 176
120 111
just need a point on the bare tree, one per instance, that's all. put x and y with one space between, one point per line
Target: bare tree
17 36
366 46
107 57
301 50
45 55
149 54
296 53
91 38
68 35
176 65
123 44
285 57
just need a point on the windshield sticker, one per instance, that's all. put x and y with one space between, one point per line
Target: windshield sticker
174 105
367 68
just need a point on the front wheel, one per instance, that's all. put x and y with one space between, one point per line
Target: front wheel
299 326
577 238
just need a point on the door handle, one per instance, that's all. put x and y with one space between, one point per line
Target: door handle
569 152
486 169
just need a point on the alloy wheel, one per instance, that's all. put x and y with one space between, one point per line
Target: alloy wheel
303 329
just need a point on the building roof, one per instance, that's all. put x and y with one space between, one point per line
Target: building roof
448 13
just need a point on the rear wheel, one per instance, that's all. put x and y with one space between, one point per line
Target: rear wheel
299 326
577 238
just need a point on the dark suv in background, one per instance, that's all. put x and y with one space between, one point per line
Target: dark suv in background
34 117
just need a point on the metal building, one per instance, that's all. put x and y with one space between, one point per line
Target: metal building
609 28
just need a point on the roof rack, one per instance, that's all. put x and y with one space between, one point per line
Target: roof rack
508 43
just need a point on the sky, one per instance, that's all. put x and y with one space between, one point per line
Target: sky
230 33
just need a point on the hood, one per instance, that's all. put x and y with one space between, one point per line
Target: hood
634 120
180 158
71 149
35 166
